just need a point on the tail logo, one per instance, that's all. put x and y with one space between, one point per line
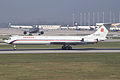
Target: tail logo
102 30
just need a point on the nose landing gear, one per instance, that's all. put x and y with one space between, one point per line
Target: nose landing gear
14 47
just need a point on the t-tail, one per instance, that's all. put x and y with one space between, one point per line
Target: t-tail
100 34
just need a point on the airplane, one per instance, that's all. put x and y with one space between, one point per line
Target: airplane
66 41
34 29
115 27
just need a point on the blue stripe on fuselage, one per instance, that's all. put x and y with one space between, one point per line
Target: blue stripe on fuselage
12 42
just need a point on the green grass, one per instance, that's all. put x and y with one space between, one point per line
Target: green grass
98 45
88 66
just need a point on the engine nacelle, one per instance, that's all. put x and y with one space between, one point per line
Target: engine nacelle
25 32
41 32
89 40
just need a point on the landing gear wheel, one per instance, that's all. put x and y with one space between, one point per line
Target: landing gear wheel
69 48
66 47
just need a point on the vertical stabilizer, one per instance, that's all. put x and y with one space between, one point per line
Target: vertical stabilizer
101 33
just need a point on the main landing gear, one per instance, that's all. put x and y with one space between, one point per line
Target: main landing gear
66 47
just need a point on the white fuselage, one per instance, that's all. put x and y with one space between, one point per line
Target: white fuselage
47 40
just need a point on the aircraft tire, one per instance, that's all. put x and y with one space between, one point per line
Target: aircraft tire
66 47
69 48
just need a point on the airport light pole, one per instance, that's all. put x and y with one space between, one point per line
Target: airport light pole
84 19
9 25
103 17
98 17
73 19
88 18
93 18
81 19
113 17
110 16
119 16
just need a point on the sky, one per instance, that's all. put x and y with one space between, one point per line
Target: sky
50 11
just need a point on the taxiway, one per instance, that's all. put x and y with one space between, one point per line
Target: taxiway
83 50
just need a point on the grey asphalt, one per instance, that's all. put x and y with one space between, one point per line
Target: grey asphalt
82 50
13 31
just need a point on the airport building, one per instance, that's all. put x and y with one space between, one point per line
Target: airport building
20 26
46 27
79 27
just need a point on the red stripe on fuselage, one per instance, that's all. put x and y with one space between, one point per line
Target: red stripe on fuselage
42 40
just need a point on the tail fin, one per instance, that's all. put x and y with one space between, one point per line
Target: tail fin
101 33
